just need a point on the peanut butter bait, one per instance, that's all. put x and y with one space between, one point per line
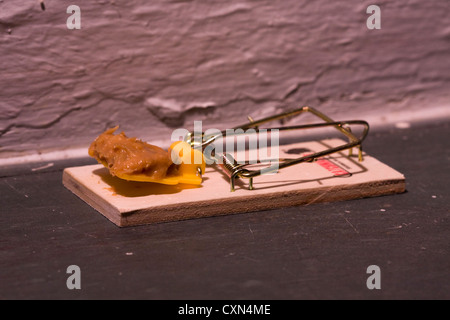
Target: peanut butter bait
125 156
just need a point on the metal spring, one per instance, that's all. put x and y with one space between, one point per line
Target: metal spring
233 170
229 164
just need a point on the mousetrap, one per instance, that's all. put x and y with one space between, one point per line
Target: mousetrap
247 179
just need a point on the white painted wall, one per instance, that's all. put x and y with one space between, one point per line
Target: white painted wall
153 66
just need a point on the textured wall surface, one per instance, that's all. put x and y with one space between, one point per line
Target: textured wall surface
152 66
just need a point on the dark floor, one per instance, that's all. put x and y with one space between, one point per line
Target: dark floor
320 251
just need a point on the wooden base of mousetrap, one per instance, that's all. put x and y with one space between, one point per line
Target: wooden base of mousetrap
334 178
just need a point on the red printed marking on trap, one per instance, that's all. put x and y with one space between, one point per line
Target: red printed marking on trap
327 164
332 167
